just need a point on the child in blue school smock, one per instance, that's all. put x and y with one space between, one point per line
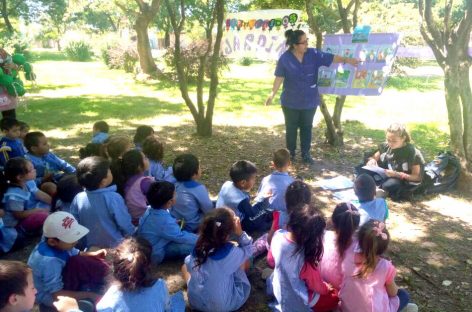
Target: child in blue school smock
100 208
49 167
142 132
192 198
214 272
370 207
234 194
133 288
60 269
154 151
157 225
100 132
10 144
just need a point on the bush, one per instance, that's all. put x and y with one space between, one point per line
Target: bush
120 56
245 61
190 58
401 63
79 51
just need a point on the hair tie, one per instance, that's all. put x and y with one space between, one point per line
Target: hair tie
379 231
218 223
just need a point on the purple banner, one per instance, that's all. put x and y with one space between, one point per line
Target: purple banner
369 77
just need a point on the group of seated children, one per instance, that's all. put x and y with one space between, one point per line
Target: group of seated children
123 201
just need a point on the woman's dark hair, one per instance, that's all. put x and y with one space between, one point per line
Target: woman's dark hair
185 166
214 233
298 192
91 171
13 278
132 163
67 187
307 227
153 148
15 167
345 220
373 241
132 264
364 187
142 132
101 126
293 37
242 170
159 193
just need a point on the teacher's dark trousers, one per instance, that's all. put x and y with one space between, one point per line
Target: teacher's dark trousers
298 119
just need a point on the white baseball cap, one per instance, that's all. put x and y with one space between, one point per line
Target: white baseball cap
63 226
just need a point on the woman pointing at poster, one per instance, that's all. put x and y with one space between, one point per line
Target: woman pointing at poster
297 69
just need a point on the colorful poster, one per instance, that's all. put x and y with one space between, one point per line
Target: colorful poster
259 34
369 77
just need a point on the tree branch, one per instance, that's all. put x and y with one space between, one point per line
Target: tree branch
447 17
424 7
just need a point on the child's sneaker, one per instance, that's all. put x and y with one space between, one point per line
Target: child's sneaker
411 307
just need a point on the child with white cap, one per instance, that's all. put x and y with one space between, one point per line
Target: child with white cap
59 269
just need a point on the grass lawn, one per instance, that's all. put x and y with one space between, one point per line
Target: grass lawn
431 238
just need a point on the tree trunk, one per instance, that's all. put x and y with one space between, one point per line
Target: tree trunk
6 19
459 103
204 127
166 39
58 43
144 47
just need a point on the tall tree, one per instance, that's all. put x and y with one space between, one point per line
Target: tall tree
55 20
449 39
317 11
209 11
143 16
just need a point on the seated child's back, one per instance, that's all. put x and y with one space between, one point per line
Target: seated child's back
277 182
100 208
370 207
192 198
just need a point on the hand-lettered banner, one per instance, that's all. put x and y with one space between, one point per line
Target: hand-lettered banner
369 77
259 34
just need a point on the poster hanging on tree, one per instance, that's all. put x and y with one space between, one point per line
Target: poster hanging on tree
376 53
259 34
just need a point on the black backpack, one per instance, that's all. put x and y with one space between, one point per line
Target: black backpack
441 174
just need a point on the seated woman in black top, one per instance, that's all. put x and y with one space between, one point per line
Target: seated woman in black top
402 161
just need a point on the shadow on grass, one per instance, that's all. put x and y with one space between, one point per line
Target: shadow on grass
39 87
420 84
66 112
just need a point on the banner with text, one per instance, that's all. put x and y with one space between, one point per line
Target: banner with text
369 78
259 34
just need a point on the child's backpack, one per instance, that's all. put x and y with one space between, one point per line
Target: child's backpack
441 174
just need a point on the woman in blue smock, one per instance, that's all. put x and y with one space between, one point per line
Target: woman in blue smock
297 69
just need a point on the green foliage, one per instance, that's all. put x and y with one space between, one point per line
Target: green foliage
79 51
119 55
190 57
246 61
420 84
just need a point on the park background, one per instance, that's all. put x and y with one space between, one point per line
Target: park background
88 66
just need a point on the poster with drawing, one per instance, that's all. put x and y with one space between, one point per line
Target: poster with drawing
377 55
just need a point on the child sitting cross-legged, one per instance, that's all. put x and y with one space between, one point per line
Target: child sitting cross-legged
49 167
26 206
234 194
157 225
133 288
192 198
17 293
215 271
370 206
100 208
59 269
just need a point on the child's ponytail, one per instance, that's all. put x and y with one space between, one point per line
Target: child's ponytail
346 220
131 264
214 232
373 241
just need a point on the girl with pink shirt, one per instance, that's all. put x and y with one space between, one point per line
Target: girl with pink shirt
134 164
338 243
369 279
